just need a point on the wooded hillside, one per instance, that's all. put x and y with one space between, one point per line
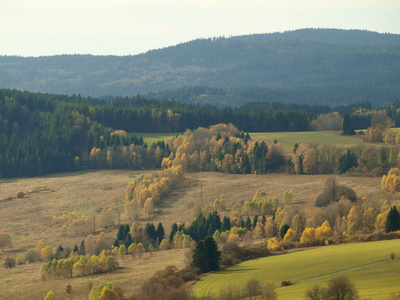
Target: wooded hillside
316 66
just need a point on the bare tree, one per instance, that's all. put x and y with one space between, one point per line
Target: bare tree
341 288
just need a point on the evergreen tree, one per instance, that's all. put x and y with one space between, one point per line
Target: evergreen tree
213 254
128 241
347 161
255 221
206 255
247 224
392 220
282 231
127 229
346 126
151 232
120 234
160 232
226 224
174 229
82 250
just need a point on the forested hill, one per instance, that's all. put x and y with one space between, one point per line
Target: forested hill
315 66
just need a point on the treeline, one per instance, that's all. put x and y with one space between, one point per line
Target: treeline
78 265
42 133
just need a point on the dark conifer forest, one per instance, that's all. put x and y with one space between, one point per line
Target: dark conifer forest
308 66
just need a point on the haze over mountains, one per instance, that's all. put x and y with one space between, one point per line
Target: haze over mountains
314 66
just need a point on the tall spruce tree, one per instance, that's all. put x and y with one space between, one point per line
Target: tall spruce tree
392 220
206 255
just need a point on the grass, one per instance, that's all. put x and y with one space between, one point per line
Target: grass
22 282
288 139
29 219
313 263
149 138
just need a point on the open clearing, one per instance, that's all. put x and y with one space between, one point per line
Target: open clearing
375 281
29 219
288 139
149 137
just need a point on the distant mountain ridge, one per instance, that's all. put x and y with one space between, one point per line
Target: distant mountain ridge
277 66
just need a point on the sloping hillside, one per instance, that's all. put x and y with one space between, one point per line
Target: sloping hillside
330 61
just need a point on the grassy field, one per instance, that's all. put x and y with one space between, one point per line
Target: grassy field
29 219
288 139
150 138
375 281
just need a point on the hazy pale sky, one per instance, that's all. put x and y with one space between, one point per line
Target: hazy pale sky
122 27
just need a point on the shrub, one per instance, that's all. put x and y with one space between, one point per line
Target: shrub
30 256
286 283
20 194
9 263
341 288
253 288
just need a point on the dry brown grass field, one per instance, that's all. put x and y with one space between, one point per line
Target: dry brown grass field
29 219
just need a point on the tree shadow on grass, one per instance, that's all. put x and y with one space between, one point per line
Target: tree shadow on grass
235 270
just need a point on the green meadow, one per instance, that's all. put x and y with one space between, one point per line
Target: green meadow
152 137
288 139
304 267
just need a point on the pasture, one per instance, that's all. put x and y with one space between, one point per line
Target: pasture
150 137
29 219
288 139
304 268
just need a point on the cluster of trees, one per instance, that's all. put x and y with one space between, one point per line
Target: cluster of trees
252 289
329 159
338 288
73 225
109 291
225 149
391 181
77 266
148 235
260 204
43 133
202 227
143 194
97 292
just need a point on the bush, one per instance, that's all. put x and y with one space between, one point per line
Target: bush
341 288
286 283
334 192
30 256
20 194
9 263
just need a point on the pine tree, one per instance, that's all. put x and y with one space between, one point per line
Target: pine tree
120 233
392 220
346 125
160 232
206 255
247 225
128 241
213 254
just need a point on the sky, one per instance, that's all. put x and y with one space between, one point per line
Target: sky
128 27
